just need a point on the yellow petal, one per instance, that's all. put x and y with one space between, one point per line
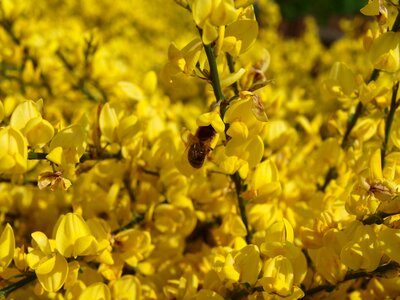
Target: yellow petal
341 78
248 262
150 82
72 140
86 245
375 165
390 243
126 288
7 246
96 291
223 14
210 33
278 276
53 273
14 151
55 155
371 9
245 30
131 90
232 78
40 240
213 119
70 229
201 10
384 52
128 127
38 132
72 277
108 122
238 129
23 113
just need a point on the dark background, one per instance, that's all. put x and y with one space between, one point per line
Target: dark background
322 10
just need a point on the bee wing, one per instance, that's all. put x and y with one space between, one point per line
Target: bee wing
185 136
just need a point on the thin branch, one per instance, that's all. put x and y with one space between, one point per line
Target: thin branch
332 172
353 275
231 66
388 123
239 187
85 156
135 220
4 292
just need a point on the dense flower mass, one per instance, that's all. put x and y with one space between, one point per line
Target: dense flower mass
187 150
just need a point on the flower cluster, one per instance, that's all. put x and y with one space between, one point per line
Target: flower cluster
242 164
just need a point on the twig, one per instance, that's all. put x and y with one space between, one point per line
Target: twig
4 292
350 276
388 123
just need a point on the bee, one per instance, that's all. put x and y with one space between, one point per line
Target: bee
200 145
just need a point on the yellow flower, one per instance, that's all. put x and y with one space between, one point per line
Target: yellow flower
27 118
362 251
341 80
385 52
73 236
67 146
133 245
13 151
247 110
185 287
248 264
244 31
328 264
185 60
217 12
376 8
211 14
114 126
265 181
171 219
278 276
250 150
51 268
126 288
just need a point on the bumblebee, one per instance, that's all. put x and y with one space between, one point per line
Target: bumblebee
200 145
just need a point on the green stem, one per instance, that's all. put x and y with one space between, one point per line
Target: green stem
4 292
351 123
214 73
215 82
214 77
135 220
231 66
389 121
242 203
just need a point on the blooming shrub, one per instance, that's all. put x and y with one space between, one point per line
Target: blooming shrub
186 150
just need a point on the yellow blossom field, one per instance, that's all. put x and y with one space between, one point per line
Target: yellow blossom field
188 149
